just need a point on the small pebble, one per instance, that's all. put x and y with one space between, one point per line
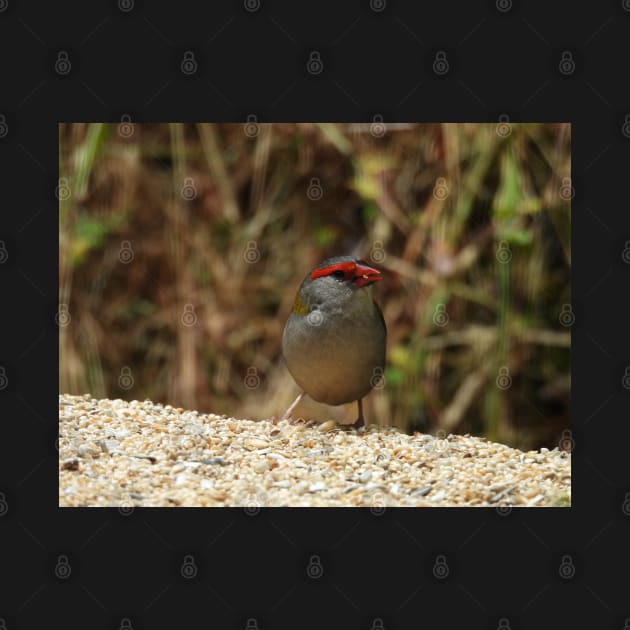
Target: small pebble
109 445
327 426
214 461
283 483
256 443
261 467
422 491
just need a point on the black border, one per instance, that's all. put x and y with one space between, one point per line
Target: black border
378 59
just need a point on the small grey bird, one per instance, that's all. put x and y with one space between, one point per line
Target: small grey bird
334 340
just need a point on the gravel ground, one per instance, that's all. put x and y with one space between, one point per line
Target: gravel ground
135 454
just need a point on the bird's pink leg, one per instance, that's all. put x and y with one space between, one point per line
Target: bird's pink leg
289 411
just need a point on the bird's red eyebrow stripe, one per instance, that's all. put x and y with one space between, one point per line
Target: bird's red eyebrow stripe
348 269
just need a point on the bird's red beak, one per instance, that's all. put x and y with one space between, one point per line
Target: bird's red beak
364 274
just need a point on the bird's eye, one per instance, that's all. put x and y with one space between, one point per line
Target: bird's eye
340 275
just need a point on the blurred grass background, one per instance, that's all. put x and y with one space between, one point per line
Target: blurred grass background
181 248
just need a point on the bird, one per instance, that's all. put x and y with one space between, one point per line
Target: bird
334 339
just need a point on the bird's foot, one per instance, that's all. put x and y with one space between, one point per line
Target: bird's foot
358 423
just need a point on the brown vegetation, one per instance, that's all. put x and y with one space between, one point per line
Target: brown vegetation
182 247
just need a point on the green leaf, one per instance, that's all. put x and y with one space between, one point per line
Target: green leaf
394 376
324 236
89 234
370 212
509 196
515 235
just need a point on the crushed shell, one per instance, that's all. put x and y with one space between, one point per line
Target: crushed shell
142 454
